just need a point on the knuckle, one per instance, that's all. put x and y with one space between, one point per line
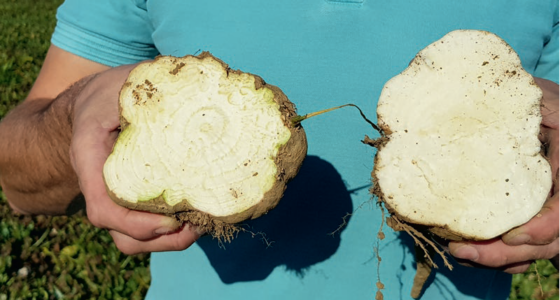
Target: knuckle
546 240
138 233
125 248
550 251
545 237
181 242
124 245
518 269
493 259
133 228
500 261
94 217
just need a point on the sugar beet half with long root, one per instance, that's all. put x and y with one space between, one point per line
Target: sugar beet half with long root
462 153
461 158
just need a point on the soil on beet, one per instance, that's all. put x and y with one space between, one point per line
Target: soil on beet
206 223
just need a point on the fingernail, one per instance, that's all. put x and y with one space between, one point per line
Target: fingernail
167 225
465 252
164 230
196 229
518 239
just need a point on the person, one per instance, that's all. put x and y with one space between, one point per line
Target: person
321 53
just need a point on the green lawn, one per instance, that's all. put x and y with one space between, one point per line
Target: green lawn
66 257
52 257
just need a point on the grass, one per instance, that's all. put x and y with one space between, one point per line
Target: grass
52 257
25 28
540 282
66 257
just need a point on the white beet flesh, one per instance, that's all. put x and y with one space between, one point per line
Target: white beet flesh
197 136
463 152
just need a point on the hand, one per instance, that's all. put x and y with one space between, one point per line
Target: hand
95 128
537 239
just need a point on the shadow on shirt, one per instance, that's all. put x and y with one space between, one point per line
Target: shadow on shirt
297 234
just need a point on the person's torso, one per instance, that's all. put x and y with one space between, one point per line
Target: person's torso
321 242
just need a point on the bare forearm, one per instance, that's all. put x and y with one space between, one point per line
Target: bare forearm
35 170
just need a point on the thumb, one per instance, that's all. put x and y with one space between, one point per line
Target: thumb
540 230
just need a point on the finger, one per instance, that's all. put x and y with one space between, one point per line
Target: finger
549 137
177 241
91 151
549 109
540 230
550 124
518 268
496 254
515 268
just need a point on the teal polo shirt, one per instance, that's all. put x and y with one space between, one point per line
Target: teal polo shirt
321 241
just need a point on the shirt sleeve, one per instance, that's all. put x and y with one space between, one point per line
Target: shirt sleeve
548 64
108 32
